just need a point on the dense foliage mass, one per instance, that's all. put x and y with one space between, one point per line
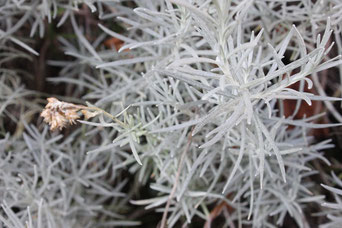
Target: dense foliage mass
196 109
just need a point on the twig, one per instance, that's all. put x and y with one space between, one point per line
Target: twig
174 188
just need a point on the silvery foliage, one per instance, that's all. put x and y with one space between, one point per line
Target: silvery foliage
334 210
50 184
15 14
202 82
46 180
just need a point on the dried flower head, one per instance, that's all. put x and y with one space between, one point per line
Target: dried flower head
58 113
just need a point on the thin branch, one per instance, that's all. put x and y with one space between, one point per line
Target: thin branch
174 188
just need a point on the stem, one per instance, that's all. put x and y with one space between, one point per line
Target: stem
174 188
105 113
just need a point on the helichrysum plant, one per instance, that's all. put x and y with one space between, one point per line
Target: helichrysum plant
189 100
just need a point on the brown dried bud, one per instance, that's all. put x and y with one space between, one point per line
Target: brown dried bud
57 114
